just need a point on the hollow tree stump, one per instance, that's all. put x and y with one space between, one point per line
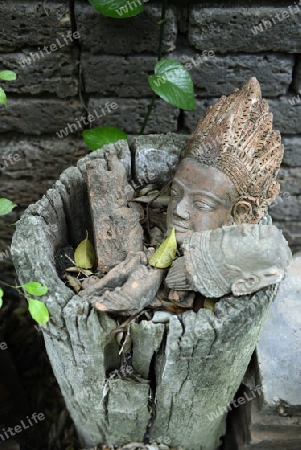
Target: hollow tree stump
190 365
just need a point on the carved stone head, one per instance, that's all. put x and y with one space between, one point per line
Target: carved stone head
228 170
240 259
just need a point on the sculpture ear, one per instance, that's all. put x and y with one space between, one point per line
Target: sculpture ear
242 212
245 285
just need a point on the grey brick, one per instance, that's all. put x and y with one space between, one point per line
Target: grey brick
36 116
192 117
55 73
118 76
220 75
287 118
130 114
292 151
230 29
100 34
290 180
297 77
292 232
32 23
287 210
39 164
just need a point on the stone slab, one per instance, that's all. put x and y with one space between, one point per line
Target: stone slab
55 73
270 445
233 29
32 23
130 114
100 34
287 118
36 116
218 75
120 76
152 152
279 347
261 421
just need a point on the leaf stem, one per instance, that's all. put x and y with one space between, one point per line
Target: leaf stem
9 285
161 37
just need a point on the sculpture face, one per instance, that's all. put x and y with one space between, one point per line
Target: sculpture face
240 258
260 278
202 198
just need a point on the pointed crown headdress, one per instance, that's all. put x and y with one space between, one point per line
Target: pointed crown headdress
236 137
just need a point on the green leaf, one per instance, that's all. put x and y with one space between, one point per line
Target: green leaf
6 206
35 288
100 136
84 255
1 296
38 311
119 9
172 82
166 253
2 97
8 75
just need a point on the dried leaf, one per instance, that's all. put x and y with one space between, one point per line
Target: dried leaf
210 304
74 283
76 269
166 253
84 255
1 296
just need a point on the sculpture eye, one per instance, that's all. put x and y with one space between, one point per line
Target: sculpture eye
175 191
205 205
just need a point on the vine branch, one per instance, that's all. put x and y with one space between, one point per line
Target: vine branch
161 37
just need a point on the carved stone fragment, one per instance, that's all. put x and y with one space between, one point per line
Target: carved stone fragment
239 258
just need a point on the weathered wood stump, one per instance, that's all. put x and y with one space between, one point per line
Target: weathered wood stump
189 365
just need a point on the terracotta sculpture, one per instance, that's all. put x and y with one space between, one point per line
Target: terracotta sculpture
230 185
240 259
236 181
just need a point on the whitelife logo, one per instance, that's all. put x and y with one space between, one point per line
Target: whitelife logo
11 431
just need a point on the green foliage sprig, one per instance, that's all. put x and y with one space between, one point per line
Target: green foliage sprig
171 81
37 309
6 75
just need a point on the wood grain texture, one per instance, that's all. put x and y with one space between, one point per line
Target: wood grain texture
188 365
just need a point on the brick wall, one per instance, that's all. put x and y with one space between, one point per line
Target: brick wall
109 64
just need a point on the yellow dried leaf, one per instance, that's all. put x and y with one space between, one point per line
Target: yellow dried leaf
210 304
84 255
166 253
74 283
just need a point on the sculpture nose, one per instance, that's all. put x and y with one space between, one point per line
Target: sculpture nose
182 209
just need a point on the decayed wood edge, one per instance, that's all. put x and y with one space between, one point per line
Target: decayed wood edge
82 350
78 339
206 356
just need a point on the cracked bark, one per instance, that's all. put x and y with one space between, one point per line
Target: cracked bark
194 362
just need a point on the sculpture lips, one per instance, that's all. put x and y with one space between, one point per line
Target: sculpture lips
180 227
